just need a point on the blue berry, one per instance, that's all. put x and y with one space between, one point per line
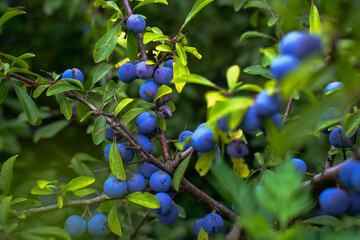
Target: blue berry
345 172
291 43
277 121
109 135
73 73
338 139
136 183
75 226
283 65
182 138
354 204
198 224
114 187
127 72
334 201
160 181
203 139
145 142
147 169
127 154
332 86
222 123
213 223
98 225
163 75
355 179
300 166
266 105
136 23
251 121
144 71
169 63
237 149
310 46
170 217
146 122
165 203
165 112
148 91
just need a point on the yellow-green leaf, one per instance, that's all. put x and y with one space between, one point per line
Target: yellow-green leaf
113 221
314 19
116 164
203 164
240 167
144 199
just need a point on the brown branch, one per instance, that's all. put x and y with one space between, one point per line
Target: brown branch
182 156
288 108
133 235
165 146
330 160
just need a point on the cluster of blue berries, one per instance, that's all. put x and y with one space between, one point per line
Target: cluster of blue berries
211 223
337 201
294 47
96 224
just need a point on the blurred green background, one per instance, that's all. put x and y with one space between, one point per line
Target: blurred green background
62 34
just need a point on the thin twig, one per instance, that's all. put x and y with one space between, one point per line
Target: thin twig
133 235
288 108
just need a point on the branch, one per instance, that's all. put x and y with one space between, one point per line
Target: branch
288 108
330 160
165 146
182 156
133 235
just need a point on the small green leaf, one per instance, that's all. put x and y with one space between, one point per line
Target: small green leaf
204 163
193 51
58 232
163 48
98 133
65 107
10 13
150 1
101 72
39 90
116 164
259 158
79 182
5 204
83 192
193 78
162 91
251 34
199 4
259 70
351 124
60 201
153 37
42 191
29 106
111 5
144 199
239 4
269 56
106 44
257 4
181 53
131 114
113 221
122 105
44 183
249 87
232 76
86 115
6 174
132 49
203 235
179 70
50 130
161 123
325 220
3 91
60 87
179 173
272 21
327 123
334 151
81 168
314 19
109 91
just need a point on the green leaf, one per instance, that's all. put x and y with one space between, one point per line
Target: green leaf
153 37
257 4
259 70
81 168
239 4
100 125
60 201
109 91
325 220
10 13
86 115
79 182
351 124
193 51
179 173
204 163
58 232
232 76
3 91
251 34
50 130
327 123
203 235
269 56
106 44
249 87
161 123
44 183
39 90
116 164
272 21
259 158
163 48
193 78
83 192
72 81
113 221
101 72
314 19
179 70
131 114
65 107
181 53
60 87
5 204
122 105
199 4
111 5
150 1
162 91
32 113
144 199
132 49
257 226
